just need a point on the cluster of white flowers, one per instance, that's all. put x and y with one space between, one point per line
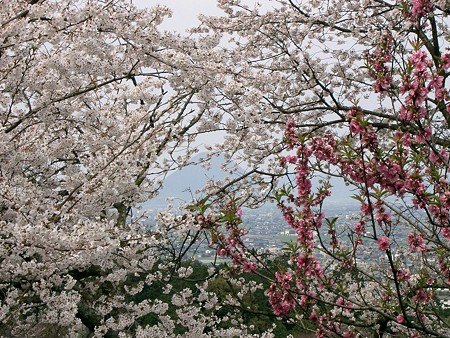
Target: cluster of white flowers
97 107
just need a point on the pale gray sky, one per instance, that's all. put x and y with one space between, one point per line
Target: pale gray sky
185 12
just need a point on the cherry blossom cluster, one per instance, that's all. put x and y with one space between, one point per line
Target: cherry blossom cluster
97 106
417 10
415 88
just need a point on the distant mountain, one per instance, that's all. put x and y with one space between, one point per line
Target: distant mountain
182 184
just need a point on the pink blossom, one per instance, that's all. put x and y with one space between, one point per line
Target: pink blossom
444 198
420 138
249 266
403 275
222 252
283 278
406 113
406 140
348 334
434 209
444 154
434 158
291 159
445 61
421 8
427 133
419 59
290 132
359 227
306 264
383 243
419 95
400 318
355 128
382 84
353 112
303 186
382 216
421 296
366 209
446 232
282 301
378 61
416 242
239 212
437 84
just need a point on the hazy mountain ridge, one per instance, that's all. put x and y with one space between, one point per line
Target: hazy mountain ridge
182 184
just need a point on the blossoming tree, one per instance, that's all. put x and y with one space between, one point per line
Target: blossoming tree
97 106
361 87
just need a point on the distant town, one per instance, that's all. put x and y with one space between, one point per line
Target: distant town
266 228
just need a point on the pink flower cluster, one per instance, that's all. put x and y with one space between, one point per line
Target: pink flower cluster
304 220
378 64
445 61
383 243
419 83
309 266
415 87
359 227
422 296
393 171
290 133
409 163
359 127
280 297
416 242
421 8
229 242
439 157
418 10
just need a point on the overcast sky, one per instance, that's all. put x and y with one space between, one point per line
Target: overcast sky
185 12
